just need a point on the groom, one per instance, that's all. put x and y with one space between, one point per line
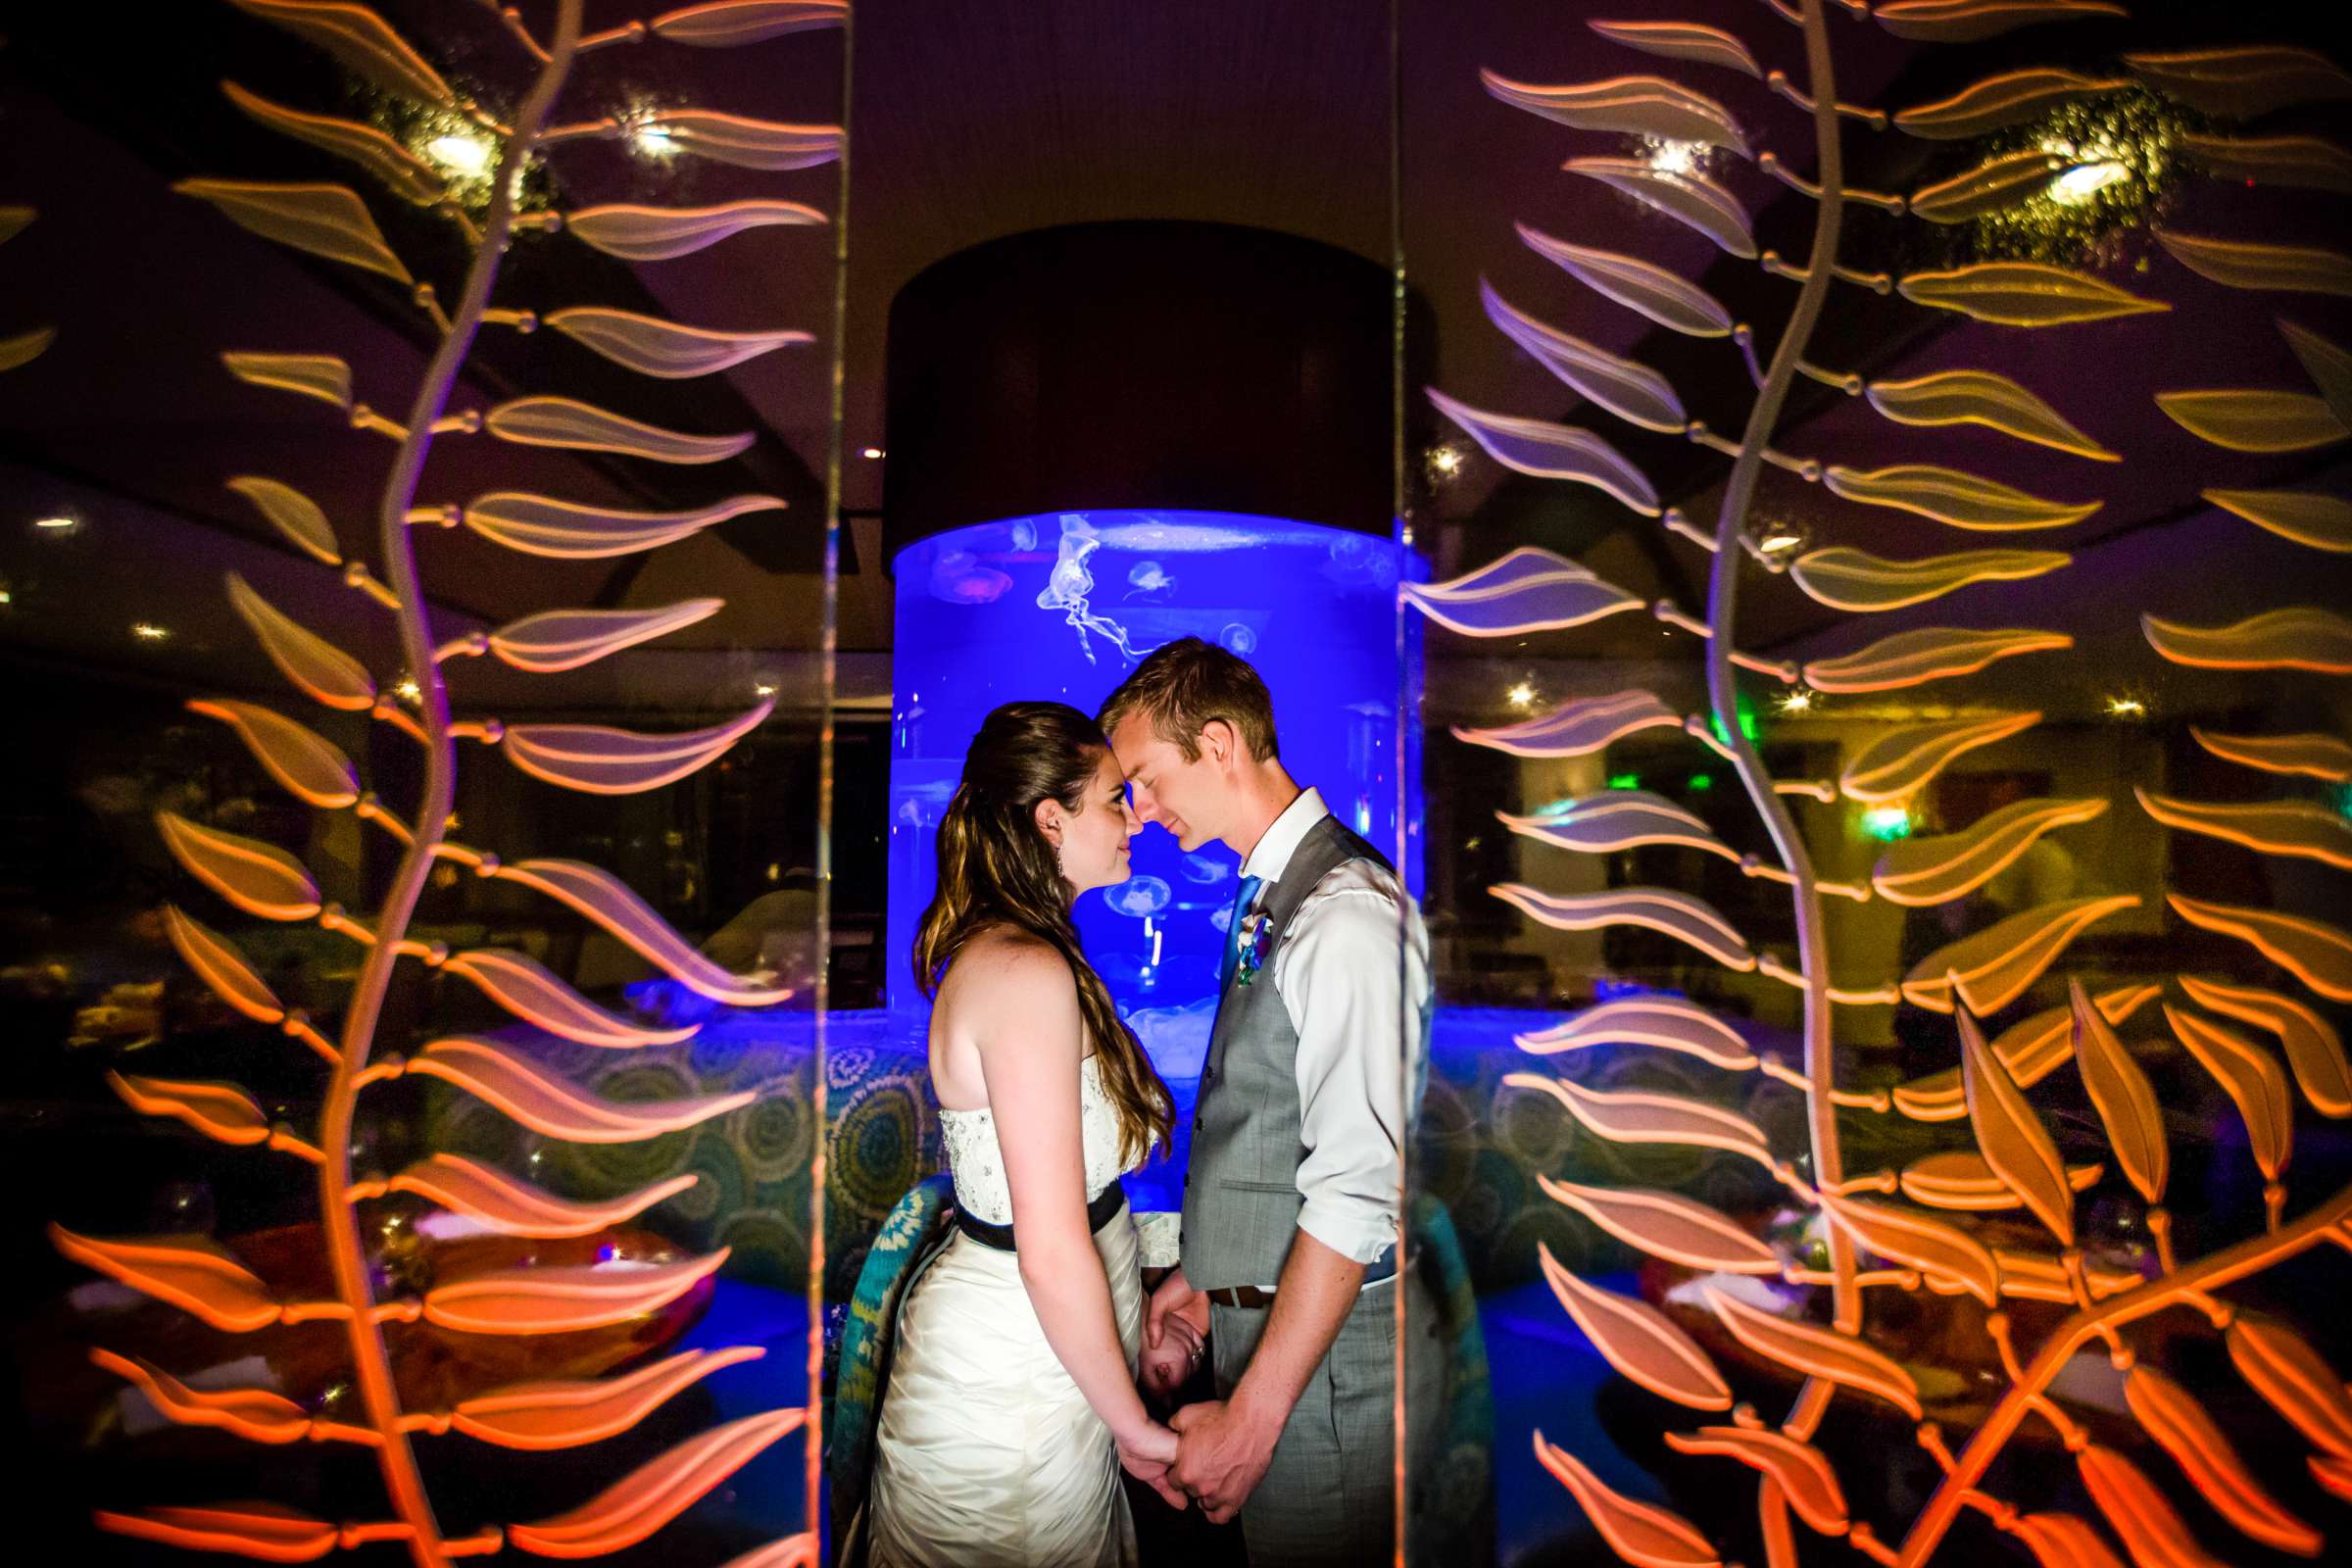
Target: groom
1290 1255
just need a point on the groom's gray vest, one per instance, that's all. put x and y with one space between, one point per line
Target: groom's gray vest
1241 1194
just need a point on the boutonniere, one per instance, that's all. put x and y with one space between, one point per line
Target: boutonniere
1253 946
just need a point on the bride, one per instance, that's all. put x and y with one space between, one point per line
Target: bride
1011 1404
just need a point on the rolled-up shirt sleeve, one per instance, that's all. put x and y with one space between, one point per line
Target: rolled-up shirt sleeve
1357 1011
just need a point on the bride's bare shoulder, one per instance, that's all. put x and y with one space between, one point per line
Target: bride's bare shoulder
1003 965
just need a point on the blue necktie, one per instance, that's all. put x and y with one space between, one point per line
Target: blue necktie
1242 898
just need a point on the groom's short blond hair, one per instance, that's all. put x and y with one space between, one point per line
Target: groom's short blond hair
1186 684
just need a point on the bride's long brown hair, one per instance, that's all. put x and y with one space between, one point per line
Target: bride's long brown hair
997 868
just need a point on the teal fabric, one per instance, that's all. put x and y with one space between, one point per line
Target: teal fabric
916 1227
1242 897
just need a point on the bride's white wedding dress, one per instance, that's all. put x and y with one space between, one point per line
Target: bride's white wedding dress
986 1452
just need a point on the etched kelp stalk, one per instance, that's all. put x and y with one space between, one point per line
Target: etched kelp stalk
1932 1244
332 221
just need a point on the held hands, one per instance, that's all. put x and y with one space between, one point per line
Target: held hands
1223 1455
1145 1454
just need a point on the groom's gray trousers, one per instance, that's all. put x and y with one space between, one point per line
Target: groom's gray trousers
1330 1497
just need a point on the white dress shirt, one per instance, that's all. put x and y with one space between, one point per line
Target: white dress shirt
1357 1011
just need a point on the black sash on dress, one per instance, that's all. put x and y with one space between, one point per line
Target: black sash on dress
1101 1211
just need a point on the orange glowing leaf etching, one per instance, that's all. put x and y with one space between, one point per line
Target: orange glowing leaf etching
2043 1277
1677 914
1688 198
651 346
550 1104
292 514
220 1110
219 966
307 766
1997 966
1551 452
190 1272
567 1414
612 904
1635 1116
2239 83
1935 871
742 142
1815 1353
1668 1022
2280 1365
2329 367
1576 728
1629 106
566 639
2032 1048
2150 1530
1681 40
2314 755
602 761
556 422
22 348
2242 263
326 220
311 375
1964 1183
1898 763
1635 393
2334 1475
791 1551
657 233
2254 419
403 173
360 40
1925 654
2000 183
1979 397
1967 21
259 879
562 1299
657 1491
2254 1081
1951 1259
1846 578
320 669
256 1414
2294 828
2121 1092
1666 298
2197 1445
2314 952
2306 163
726 23
1643 1534
1668 1225
2307 516
528 989
514 1207
264 1531
2023 294
1616 820
2315 1052
2014 1142
539 525
1947 495
1528 590
1639 1341
2061 1541
1998 102
1801 1470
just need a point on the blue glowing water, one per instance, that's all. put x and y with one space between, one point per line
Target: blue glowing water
1062 606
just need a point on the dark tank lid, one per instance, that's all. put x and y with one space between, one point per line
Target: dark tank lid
1149 364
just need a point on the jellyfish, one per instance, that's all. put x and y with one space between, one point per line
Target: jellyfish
1238 640
1025 533
1206 870
1356 560
1221 919
958 579
1138 896
1147 577
1069 584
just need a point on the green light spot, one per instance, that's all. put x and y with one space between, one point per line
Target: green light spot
1702 782
1625 782
1886 823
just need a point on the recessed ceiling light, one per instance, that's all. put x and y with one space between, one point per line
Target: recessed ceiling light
149 631
60 522
873 452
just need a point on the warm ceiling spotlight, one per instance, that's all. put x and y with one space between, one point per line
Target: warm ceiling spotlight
1778 544
1797 702
871 452
1668 156
1523 695
1886 823
2085 180
2127 707
765 688
410 691
647 137
149 631
7 596
57 524
461 154
1445 461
